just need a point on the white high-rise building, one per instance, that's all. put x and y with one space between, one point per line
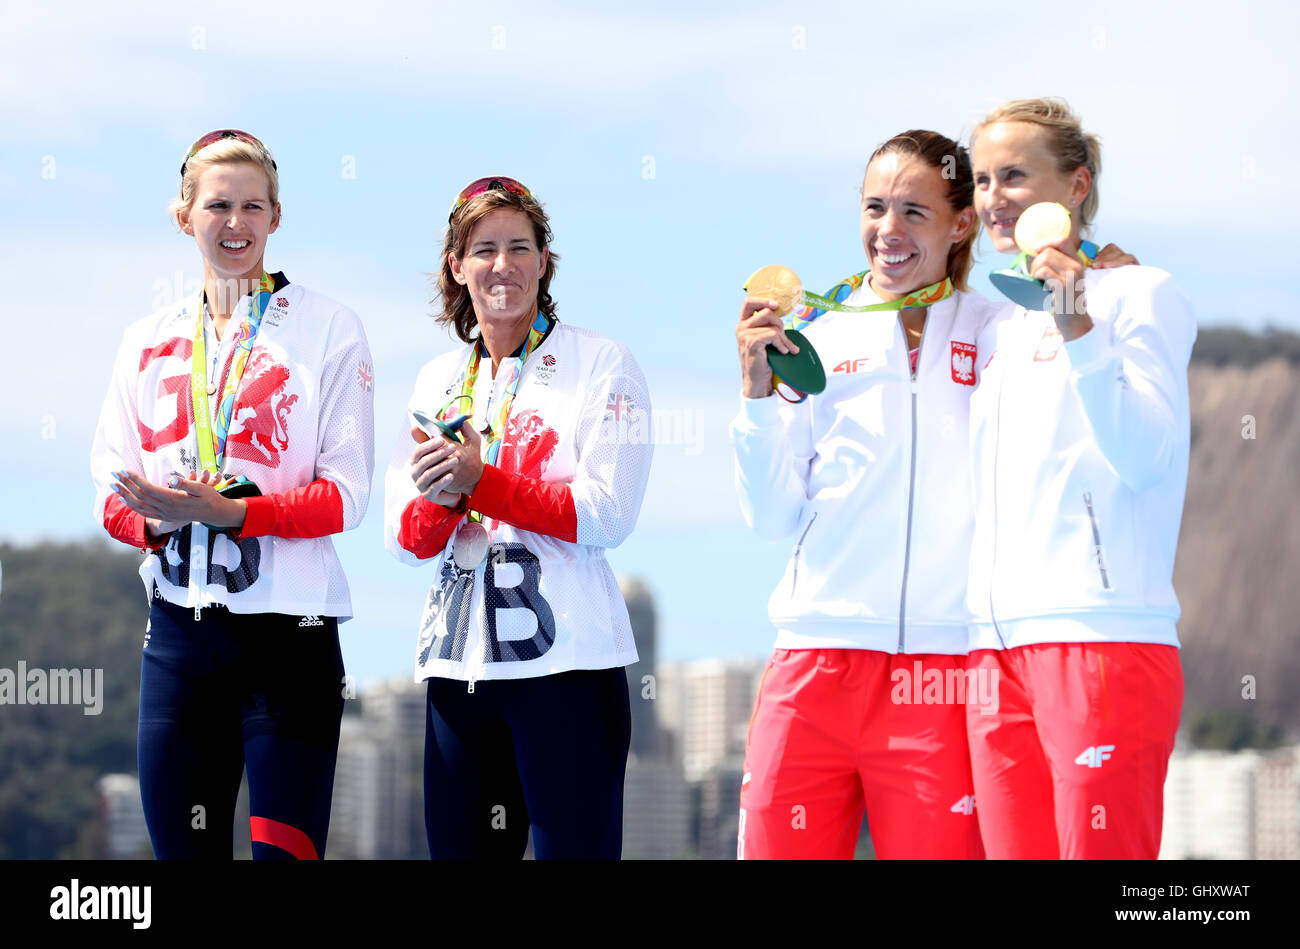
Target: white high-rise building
656 809
359 776
1277 805
396 706
1210 806
717 699
378 802
127 836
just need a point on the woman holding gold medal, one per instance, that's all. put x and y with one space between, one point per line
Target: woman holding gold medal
235 438
869 479
864 701
528 456
1080 438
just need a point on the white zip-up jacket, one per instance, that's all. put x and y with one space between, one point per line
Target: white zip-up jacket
872 480
302 430
568 485
1080 464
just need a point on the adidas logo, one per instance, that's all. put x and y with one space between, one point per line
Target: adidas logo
965 806
1093 757
311 621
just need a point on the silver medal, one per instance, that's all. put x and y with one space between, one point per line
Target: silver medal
212 389
470 546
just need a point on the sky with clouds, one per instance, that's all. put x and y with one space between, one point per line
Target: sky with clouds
677 146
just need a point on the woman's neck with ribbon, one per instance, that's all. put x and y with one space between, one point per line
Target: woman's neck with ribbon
497 411
223 294
212 437
816 304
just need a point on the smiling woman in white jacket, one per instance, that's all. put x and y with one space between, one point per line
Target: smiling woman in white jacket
869 479
1080 437
262 380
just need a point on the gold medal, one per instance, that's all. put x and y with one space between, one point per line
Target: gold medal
1041 224
775 282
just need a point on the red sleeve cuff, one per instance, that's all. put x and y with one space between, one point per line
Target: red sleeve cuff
127 526
527 503
425 527
259 518
314 510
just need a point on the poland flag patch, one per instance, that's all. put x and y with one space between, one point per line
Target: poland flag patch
963 363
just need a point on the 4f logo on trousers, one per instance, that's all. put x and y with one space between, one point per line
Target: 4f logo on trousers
965 806
1093 757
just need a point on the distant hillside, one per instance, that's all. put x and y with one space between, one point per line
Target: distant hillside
66 606
1238 569
1229 346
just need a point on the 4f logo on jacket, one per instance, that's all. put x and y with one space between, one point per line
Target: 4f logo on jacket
851 365
1093 757
963 363
965 806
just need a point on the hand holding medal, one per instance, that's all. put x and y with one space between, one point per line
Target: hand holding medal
791 360
184 500
443 469
436 469
446 467
772 292
1040 227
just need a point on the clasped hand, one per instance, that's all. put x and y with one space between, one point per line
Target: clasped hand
442 469
188 499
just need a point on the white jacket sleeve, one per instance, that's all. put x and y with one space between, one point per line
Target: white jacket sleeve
400 491
774 450
615 444
1130 372
345 454
117 440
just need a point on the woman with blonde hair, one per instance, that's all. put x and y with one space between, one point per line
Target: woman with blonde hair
863 705
1079 434
235 439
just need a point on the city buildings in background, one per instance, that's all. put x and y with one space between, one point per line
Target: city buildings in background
656 799
377 812
682 789
1232 805
126 836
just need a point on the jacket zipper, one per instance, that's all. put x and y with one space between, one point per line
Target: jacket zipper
1096 541
911 478
794 577
993 561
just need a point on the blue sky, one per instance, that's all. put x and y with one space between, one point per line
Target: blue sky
677 148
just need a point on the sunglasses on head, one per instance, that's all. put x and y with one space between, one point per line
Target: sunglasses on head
217 136
495 183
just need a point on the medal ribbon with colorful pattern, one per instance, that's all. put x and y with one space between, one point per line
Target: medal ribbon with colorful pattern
815 305
497 424
212 437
